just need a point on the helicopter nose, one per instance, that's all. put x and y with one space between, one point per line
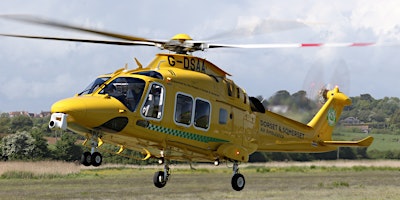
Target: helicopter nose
74 106
89 111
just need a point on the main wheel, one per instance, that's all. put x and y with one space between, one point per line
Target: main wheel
96 159
238 182
86 158
159 179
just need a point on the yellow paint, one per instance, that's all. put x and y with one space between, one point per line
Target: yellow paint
121 149
148 154
181 36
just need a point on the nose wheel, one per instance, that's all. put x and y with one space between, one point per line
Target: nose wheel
94 159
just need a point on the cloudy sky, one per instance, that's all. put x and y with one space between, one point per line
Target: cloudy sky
34 74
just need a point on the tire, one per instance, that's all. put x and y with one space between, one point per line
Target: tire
159 180
86 158
96 159
238 182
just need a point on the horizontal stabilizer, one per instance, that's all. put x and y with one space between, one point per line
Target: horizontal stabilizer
361 143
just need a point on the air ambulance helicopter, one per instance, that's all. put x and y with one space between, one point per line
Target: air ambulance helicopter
184 108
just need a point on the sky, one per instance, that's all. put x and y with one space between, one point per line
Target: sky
36 73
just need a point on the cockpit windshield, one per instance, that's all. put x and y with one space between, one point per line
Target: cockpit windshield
127 90
94 85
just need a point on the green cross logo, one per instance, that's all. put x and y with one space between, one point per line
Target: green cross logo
331 117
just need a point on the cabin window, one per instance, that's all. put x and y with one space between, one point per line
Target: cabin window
202 114
127 90
153 106
189 111
183 109
223 116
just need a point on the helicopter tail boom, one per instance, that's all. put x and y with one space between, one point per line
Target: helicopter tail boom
283 134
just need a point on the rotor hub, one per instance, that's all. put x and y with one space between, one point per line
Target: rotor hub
181 37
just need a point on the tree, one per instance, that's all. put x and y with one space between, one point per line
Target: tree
395 119
4 123
66 149
41 150
42 123
280 98
21 123
18 146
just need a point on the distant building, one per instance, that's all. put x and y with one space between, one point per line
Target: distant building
26 113
350 120
20 113
44 114
353 122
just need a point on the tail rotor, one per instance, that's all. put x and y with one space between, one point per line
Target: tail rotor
316 85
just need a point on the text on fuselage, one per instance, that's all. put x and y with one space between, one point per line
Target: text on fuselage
194 64
278 130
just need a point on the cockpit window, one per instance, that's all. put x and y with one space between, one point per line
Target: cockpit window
94 85
154 104
127 90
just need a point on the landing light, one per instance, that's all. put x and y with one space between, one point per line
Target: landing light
216 162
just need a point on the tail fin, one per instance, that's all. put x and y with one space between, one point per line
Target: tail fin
326 118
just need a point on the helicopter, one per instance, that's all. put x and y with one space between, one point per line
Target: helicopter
181 107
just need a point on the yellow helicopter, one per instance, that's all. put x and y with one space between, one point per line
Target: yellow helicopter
184 108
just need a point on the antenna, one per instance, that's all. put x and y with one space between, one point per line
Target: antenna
138 63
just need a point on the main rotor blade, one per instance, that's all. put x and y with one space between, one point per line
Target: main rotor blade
124 43
291 45
46 22
264 26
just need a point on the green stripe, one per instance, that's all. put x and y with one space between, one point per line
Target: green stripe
184 134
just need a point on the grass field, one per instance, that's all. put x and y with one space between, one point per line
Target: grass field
382 142
312 180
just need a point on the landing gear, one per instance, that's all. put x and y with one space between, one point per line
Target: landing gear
97 159
94 159
86 158
237 181
160 178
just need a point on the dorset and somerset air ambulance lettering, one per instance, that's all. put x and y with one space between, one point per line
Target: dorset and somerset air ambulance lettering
184 108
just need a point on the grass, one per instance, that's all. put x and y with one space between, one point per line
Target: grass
382 142
314 180
42 167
